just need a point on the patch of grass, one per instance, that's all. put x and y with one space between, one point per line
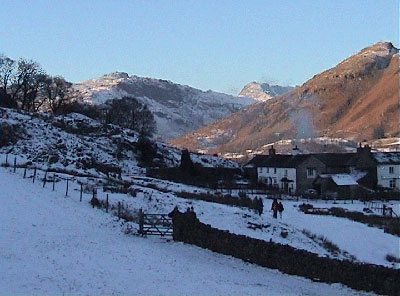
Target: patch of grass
329 246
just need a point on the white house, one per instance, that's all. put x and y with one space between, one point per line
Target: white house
277 170
278 176
388 169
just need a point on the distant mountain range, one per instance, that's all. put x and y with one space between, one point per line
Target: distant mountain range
263 91
355 100
177 108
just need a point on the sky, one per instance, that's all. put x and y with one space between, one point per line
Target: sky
219 45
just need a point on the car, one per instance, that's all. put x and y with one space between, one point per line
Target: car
309 193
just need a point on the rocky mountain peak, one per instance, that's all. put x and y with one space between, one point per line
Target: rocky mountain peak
116 75
375 56
263 91
355 100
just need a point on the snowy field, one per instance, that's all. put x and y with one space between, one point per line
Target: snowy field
354 239
56 245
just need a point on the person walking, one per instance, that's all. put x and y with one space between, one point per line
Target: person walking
274 208
259 205
280 209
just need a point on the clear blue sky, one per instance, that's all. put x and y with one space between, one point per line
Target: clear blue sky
219 45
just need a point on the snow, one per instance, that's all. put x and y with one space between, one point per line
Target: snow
65 139
56 245
387 157
177 109
341 179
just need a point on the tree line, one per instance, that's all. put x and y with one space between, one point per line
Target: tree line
25 85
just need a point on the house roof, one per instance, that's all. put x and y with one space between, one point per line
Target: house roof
387 157
329 159
277 160
335 159
340 179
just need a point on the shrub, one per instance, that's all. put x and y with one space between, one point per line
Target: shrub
392 258
305 207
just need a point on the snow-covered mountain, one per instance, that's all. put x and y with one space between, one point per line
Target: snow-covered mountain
177 108
263 91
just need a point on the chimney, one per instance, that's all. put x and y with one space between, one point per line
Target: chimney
363 150
271 151
295 150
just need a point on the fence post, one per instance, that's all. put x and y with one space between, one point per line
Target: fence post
66 191
107 204
141 221
25 173
80 198
45 179
93 198
34 176
15 164
54 180
7 159
119 209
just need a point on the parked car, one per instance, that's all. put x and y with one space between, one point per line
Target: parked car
309 193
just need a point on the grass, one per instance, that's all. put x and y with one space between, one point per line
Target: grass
329 246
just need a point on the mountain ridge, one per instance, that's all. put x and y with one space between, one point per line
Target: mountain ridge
352 100
177 108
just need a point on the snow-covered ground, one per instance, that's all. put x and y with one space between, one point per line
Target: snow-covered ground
74 142
51 244
356 240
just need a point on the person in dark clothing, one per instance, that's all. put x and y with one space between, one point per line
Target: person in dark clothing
274 208
280 209
259 205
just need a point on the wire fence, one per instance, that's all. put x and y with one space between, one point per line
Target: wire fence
71 184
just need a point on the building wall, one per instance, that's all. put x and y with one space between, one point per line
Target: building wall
385 175
303 179
273 177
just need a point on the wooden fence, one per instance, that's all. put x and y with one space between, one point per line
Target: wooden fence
381 208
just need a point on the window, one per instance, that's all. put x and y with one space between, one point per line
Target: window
274 170
267 170
311 173
286 173
392 183
391 170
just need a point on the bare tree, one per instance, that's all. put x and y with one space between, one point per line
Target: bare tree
128 112
145 123
25 83
7 67
55 91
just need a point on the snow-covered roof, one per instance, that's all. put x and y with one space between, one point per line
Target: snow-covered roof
341 179
387 157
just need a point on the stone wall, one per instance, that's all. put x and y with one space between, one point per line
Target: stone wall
368 277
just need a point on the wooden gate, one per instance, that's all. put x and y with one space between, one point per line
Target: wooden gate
155 224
